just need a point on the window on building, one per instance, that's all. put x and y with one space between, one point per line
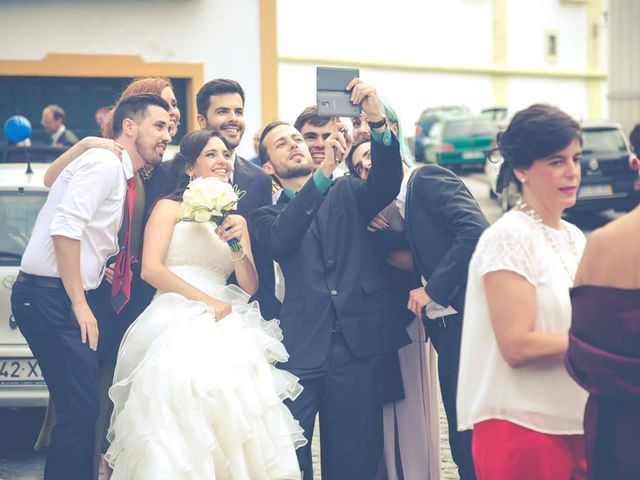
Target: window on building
551 46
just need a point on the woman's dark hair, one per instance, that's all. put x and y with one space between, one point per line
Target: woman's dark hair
349 160
534 133
191 147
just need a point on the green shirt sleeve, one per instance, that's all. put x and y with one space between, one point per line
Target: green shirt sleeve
384 138
322 181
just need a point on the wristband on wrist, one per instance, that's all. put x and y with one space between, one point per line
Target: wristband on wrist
378 124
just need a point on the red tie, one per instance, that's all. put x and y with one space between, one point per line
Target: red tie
121 288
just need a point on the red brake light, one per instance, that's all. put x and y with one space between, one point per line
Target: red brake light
445 147
634 163
419 130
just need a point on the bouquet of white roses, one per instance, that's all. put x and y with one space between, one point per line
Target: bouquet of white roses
210 200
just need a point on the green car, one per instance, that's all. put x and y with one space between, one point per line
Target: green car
460 141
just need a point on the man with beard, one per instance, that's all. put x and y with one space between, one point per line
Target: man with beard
75 232
337 318
315 130
220 105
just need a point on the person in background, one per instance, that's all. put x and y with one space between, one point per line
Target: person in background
361 129
315 130
256 142
513 390
53 123
604 347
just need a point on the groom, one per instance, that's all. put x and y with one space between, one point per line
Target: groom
337 315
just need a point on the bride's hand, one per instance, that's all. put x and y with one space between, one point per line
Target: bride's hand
233 226
220 309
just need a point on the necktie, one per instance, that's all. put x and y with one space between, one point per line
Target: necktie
121 288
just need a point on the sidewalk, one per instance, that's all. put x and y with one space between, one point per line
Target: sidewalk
448 468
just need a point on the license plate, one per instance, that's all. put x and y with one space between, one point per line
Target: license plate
594 191
20 371
472 155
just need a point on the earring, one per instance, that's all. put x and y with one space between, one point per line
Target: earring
190 178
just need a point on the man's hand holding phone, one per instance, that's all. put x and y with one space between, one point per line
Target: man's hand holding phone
365 95
336 148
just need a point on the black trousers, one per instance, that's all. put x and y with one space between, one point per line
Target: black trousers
43 313
348 396
445 337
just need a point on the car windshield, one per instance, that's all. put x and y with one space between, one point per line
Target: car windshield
608 140
18 212
469 128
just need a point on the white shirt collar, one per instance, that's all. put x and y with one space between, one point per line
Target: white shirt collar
402 195
127 165
58 133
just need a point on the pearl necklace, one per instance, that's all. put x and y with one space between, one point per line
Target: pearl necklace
551 241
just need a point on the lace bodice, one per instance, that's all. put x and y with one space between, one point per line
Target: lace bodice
197 255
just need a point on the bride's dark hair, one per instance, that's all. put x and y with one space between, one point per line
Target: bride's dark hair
191 147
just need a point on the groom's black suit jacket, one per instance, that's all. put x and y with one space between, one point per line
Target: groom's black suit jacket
443 223
333 279
257 187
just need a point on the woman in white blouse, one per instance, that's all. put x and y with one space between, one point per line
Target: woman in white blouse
514 392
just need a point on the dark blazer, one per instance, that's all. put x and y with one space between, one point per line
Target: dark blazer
333 279
443 223
257 185
254 182
67 139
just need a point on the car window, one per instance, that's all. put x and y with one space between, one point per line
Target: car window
18 212
608 140
469 128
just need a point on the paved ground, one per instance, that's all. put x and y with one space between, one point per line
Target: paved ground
18 428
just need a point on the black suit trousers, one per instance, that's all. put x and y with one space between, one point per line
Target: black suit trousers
70 369
348 396
446 340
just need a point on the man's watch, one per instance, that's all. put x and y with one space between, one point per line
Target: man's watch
380 123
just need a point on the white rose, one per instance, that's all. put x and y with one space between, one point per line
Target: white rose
202 216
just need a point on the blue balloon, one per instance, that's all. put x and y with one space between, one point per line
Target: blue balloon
17 128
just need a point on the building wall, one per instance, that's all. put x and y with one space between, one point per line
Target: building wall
479 53
223 36
624 79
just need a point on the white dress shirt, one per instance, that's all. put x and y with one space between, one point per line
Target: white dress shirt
57 134
85 203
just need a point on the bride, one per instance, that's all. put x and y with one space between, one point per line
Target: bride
196 394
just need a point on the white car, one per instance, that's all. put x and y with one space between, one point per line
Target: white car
22 194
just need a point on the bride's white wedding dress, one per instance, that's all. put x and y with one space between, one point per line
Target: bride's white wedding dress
196 398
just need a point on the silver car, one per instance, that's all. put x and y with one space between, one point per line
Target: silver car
22 194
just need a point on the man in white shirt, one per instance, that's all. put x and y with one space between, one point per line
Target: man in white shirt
53 123
75 232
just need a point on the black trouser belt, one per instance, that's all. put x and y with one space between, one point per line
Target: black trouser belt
39 281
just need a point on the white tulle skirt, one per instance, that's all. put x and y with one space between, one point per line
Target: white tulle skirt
196 398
